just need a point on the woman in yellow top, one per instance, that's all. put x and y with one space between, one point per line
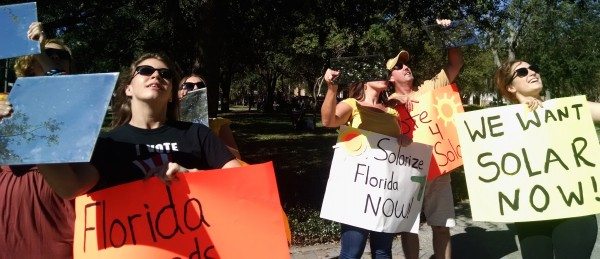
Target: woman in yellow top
365 109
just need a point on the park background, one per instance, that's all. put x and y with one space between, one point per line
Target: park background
263 61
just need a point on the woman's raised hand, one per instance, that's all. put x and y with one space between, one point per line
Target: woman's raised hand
36 32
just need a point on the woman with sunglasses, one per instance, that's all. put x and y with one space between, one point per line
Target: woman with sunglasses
520 82
190 83
365 109
218 125
146 138
55 56
36 222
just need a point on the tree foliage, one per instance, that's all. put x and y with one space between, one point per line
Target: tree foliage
270 46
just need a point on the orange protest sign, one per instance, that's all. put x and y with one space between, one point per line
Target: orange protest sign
431 122
228 213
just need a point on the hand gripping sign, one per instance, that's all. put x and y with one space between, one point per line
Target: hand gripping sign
374 183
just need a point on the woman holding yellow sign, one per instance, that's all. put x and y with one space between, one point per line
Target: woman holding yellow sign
520 82
365 109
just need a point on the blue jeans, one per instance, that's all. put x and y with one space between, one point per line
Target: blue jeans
354 241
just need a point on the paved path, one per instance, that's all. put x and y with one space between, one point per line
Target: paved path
469 240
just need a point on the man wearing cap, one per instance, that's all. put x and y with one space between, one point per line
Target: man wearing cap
438 206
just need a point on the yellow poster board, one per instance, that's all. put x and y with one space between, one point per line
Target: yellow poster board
523 165
227 213
431 122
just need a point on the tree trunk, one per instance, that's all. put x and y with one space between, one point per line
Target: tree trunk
226 76
271 83
210 42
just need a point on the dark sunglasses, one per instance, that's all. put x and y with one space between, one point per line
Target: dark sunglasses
399 66
190 86
60 53
524 71
149 70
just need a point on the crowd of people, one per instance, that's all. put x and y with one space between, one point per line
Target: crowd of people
538 239
37 205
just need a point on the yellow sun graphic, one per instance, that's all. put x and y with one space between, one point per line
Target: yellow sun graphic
446 108
353 141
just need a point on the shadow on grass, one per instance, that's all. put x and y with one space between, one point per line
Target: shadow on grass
301 158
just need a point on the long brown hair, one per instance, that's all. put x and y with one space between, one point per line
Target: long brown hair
504 77
122 103
357 91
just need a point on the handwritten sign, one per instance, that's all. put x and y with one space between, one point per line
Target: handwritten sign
525 165
14 23
229 213
431 122
374 183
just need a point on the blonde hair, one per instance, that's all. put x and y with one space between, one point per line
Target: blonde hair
356 90
25 66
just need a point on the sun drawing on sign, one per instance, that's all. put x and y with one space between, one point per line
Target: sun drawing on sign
353 141
446 107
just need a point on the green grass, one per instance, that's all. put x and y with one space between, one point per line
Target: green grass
301 158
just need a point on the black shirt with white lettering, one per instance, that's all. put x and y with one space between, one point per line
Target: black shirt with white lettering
127 153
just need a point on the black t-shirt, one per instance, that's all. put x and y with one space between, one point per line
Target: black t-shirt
127 153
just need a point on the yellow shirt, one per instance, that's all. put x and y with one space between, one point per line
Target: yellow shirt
385 123
439 80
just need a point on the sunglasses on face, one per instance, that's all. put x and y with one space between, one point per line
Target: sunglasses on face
59 53
191 86
524 71
399 66
149 70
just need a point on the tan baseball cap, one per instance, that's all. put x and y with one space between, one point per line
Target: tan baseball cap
403 56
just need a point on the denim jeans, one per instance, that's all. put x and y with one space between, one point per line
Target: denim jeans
354 241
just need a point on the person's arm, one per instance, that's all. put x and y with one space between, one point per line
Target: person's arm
70 180
455 63
333 114
595 110
455 56
408 100
231 164
36 32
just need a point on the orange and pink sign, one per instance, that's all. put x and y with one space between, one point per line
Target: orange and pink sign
227 213
431 122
